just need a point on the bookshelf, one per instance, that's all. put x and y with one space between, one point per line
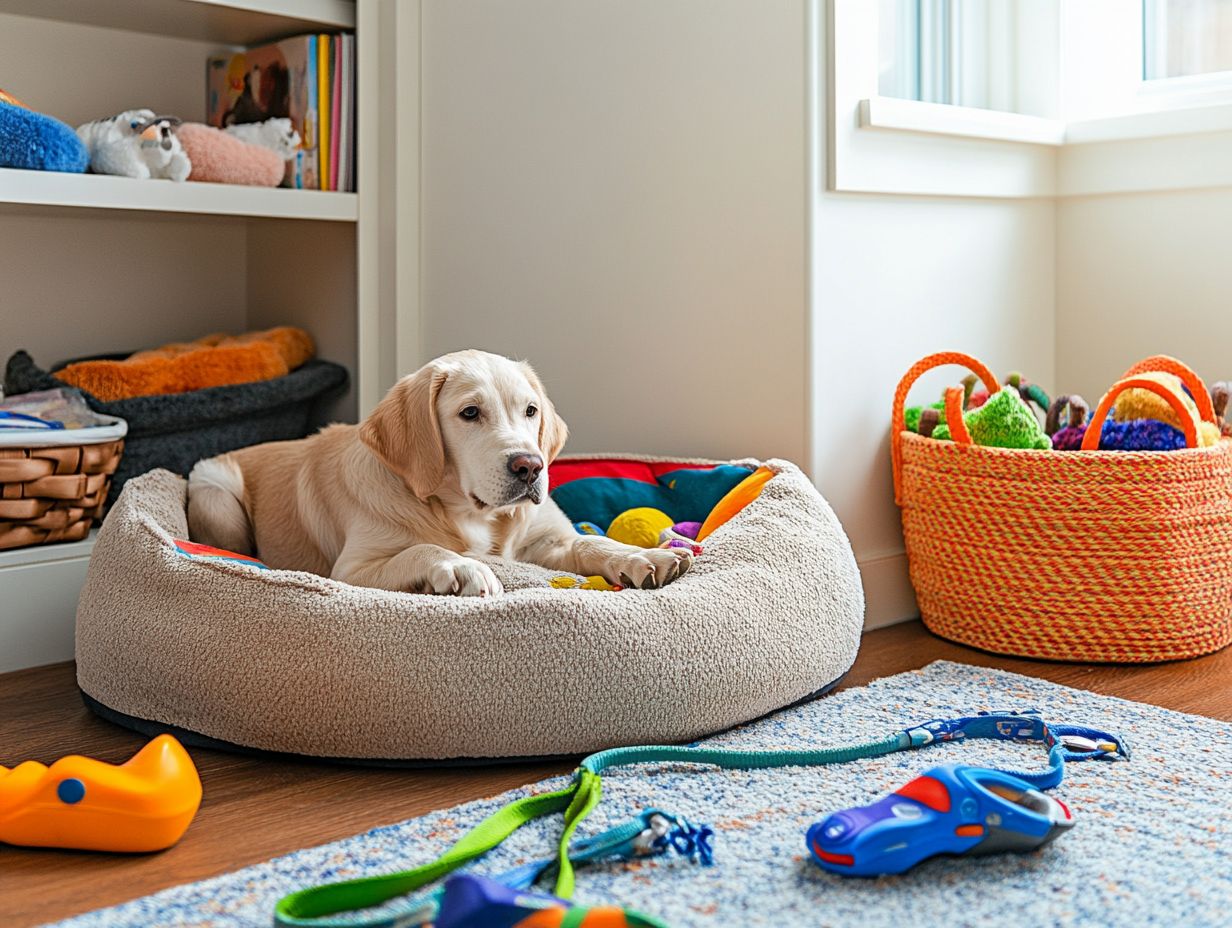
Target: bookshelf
96 264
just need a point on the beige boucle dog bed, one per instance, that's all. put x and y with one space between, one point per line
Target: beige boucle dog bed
292 662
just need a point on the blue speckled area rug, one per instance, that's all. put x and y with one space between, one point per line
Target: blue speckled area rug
1152 845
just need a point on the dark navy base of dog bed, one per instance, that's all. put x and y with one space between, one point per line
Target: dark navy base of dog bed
193 739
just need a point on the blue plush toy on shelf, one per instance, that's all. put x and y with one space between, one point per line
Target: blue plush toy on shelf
36 142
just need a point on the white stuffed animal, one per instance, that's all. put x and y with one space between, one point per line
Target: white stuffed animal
276 134
136 143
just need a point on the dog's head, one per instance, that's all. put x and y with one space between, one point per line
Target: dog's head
473 423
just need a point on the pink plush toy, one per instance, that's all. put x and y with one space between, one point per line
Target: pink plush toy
224 159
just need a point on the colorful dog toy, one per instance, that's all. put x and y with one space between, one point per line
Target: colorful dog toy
1221 392
145 804
1005 421
1138 404
955 809
1140 435
1030 392
639 527
590 583
914 415
1068 437
477 902
736 499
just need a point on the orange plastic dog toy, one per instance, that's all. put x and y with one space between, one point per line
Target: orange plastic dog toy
143 805
736 499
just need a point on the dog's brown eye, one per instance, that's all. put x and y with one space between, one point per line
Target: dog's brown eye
470 413
532 411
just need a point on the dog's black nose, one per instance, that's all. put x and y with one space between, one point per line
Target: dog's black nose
526 467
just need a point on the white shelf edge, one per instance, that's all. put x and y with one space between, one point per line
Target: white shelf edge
337 14
96 191
233 22
48 554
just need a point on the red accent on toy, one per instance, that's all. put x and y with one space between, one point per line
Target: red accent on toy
927 791
845 860
200 550
566 471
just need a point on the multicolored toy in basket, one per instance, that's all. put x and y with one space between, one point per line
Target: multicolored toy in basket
1112 556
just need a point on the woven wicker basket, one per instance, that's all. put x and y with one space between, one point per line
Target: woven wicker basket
1088 555
53 494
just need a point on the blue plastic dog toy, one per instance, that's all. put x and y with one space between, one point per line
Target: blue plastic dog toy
955 809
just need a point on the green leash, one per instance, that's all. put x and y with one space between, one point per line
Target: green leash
309 907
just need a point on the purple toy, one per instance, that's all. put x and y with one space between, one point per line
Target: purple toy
1068 438
687 529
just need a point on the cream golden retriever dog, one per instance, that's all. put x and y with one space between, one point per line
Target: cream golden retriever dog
451 465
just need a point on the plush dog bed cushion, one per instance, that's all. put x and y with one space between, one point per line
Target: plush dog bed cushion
285 661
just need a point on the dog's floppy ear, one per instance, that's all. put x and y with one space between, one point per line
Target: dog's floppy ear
405 432
552 428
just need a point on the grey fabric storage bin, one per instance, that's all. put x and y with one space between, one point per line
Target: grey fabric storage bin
176 430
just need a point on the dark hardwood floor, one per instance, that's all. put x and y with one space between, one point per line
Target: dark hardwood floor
257 809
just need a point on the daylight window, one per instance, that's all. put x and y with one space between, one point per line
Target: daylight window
1182 38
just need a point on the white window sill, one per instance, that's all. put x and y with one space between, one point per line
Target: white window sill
971 123
1192 120
1165 149
963 121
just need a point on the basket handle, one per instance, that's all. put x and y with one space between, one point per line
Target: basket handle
1169 365
1090 439
953 398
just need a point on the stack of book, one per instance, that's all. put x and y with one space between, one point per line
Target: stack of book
309 79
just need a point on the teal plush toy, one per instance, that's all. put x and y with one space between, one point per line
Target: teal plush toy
1005 421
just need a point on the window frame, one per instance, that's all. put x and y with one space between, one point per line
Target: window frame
1142 139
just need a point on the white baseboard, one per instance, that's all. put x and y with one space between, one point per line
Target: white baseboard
888 596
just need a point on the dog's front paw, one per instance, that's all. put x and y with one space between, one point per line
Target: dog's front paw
463 576
649 568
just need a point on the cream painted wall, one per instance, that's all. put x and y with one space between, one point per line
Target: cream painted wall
616 190
79 73
1138 275
119 282
896 278
899 278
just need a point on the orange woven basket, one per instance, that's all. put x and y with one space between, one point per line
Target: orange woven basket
1109 556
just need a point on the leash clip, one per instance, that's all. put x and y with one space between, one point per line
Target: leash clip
1087 743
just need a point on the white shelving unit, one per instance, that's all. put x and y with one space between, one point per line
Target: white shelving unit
91 191
96 264
227 22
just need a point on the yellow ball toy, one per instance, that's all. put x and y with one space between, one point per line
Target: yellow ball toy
640 527
1137 403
